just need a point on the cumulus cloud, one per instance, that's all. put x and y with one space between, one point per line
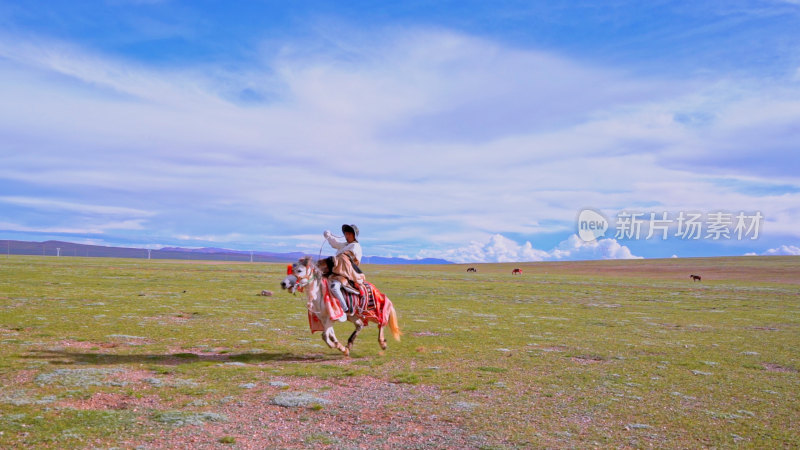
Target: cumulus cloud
502 249
574 248
784 250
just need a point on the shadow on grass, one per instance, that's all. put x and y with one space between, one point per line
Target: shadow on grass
67 357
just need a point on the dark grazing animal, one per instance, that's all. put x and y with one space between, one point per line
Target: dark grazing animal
695 277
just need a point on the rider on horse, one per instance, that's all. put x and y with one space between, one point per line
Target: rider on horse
343 268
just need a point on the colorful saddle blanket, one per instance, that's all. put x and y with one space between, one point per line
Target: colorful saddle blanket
370 306
363 301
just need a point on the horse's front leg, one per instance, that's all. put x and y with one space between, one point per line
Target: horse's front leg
330 338
359 325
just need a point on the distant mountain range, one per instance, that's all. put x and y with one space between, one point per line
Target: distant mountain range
61 248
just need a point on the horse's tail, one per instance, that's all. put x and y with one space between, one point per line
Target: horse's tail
393 324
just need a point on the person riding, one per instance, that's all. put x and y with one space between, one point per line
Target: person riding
343 267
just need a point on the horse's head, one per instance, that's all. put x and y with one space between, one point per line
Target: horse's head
301 274
290 283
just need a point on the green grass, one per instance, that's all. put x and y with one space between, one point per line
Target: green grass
319 439
567 355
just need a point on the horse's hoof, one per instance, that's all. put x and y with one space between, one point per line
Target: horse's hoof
383 345
346 351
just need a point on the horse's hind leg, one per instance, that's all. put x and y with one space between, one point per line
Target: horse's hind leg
359 326
381 339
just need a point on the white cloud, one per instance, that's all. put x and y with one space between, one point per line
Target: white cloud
50 205
501 249
423 137
76 229
784 250
574 248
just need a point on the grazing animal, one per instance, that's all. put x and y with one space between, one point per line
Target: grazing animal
266 293
695 277
324 309
472 269
516 271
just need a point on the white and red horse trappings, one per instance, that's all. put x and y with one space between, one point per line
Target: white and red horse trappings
324 310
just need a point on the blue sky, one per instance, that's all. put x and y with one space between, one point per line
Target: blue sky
473 131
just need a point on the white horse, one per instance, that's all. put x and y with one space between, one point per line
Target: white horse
307 277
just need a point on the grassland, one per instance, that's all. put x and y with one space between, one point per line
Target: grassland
132 353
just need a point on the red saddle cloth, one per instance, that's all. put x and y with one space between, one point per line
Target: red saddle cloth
370 306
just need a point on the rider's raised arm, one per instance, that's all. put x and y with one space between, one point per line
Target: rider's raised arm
333 241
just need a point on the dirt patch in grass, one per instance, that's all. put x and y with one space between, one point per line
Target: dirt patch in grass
85 345
770 367
360 412
132 376
588 359
23 376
